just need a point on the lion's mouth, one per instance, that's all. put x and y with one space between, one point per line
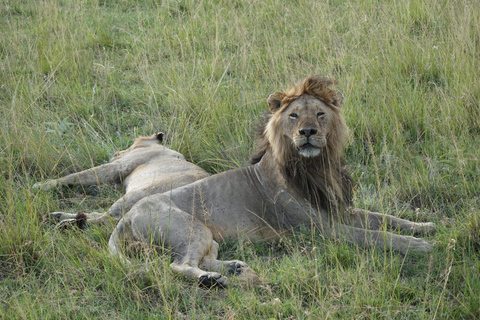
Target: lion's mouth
307 145
308 150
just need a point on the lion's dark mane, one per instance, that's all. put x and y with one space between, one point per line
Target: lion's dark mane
322 179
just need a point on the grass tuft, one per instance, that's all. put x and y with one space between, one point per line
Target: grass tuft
80 80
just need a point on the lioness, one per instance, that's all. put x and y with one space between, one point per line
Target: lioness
296 178
146 167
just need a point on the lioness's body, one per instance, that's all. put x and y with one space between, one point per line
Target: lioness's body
297 179
147 167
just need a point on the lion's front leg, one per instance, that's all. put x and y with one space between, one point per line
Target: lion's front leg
380 239
375 221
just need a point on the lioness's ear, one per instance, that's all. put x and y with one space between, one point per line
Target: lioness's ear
275 101
159 136
338 101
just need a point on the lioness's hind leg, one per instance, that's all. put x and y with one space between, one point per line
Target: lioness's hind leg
60 216
120 207
66 220
115 212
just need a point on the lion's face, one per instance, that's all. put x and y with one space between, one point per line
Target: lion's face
306 122
305 127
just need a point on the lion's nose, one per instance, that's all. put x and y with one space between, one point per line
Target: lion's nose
307 132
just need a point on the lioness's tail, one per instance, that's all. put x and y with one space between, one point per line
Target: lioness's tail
114 243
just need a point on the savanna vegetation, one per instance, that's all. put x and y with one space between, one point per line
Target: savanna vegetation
80 79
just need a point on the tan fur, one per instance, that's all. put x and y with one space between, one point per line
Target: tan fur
145 168
296 179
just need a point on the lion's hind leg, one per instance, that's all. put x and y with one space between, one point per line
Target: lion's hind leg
231 267
205 278
185 264
193 255
156 220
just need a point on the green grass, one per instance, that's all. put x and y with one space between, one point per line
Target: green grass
80 80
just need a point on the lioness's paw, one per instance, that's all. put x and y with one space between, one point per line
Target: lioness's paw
59 216
79 220
212 280
46 185
55 216
66 224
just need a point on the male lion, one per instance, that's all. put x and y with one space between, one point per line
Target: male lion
296 179
145 168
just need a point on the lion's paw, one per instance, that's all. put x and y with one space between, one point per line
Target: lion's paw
420 245
236 268
424 228
243 272
212 280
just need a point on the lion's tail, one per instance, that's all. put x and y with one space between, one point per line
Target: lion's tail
114 243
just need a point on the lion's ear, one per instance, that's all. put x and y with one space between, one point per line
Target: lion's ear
275 101
338 101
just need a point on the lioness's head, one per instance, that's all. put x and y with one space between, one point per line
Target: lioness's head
141 142
306 121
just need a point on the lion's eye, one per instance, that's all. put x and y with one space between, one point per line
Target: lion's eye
293 116
320 115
